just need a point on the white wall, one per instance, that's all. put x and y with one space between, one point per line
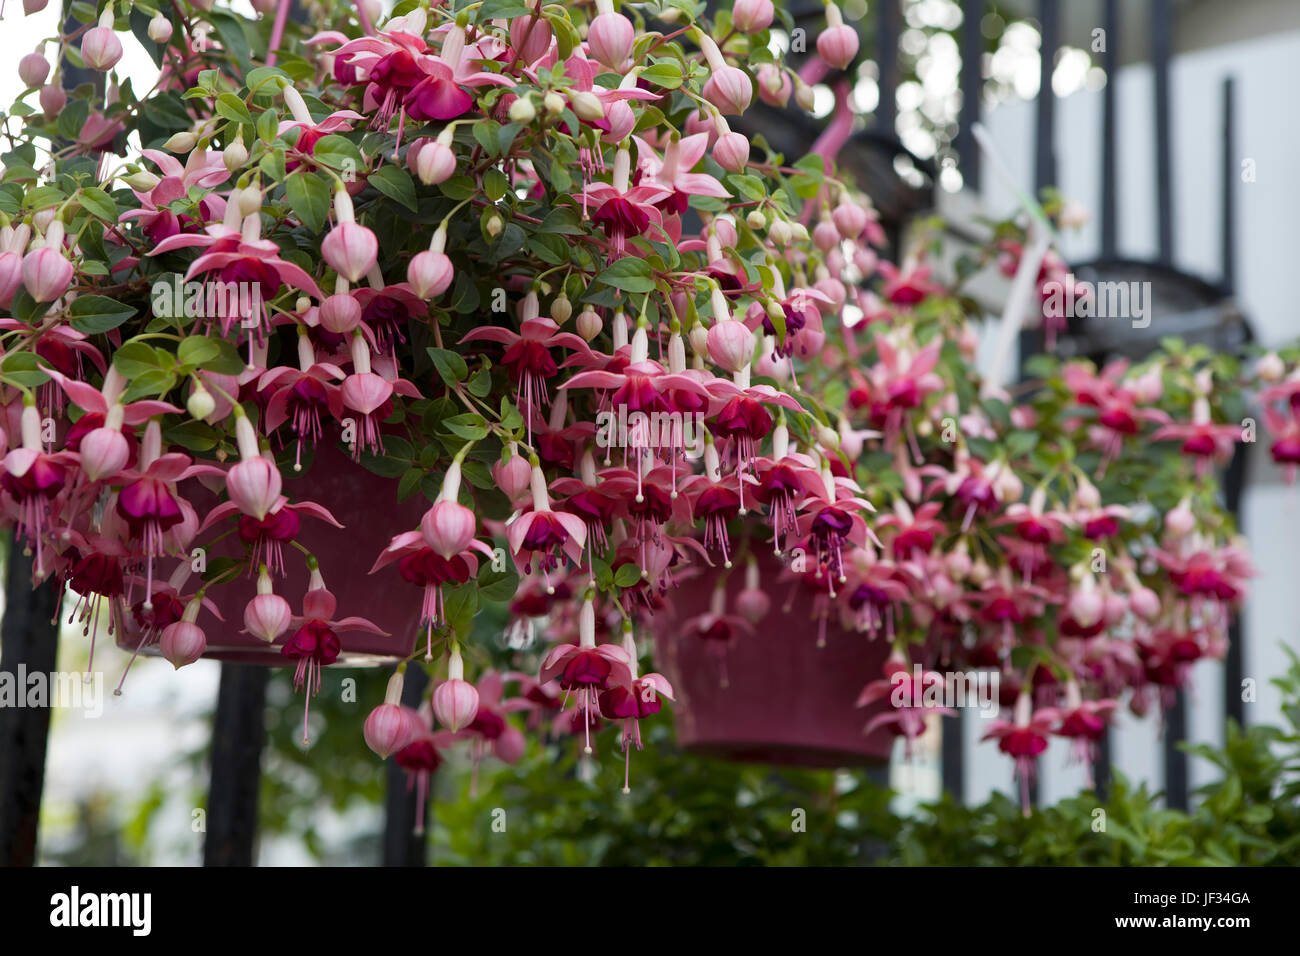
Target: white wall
1267 253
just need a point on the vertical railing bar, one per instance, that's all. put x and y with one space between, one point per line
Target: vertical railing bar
953 755
402 845
1161 29
1110 63
972 81
29 644
1229 207
1045 124
238 732
1175 760
887 33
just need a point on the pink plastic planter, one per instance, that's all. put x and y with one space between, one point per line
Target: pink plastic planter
366 505
788 701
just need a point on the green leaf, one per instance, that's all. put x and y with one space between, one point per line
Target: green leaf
309 198
337 152
665 73
468 426
93 314
458 188
497 586
42 197
450 366
98 203
629 275
395 183
409 483
495 184
627 575
135 359
233 108
501 10
267 125
21 368
198 349
460 604
481 384
485 131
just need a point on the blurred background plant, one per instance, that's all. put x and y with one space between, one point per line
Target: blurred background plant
557 808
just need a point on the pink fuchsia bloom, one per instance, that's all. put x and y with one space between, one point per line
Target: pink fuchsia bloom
105 417
673 172
752 16
717 630
254 483
543 533
267 615
906 288
440 94
310 130
422 566
1208 444
586 669
301 396
1085 722
100 47
631 704
528 359
609 39
47 272
838 43
350 249
316 643
455 700
203 168
368 394
913 694
731 152
184 642
390 727
624 211
432 160
149 503
33 69
1023 739
831 519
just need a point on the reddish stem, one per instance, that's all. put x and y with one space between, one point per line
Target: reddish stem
277 30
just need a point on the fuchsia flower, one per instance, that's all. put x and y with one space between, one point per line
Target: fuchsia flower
1023 739
908 690
390 726
641 698
316 644
1208 444
203 169
587 669
545 534
528 358
622 210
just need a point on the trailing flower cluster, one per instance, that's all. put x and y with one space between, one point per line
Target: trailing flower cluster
459 244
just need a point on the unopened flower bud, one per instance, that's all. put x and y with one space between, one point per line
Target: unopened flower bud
181 142
160 29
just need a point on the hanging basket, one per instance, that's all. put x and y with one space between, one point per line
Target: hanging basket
367 507
785 700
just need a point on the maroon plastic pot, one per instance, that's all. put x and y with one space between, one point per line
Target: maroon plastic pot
367 507
786 700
